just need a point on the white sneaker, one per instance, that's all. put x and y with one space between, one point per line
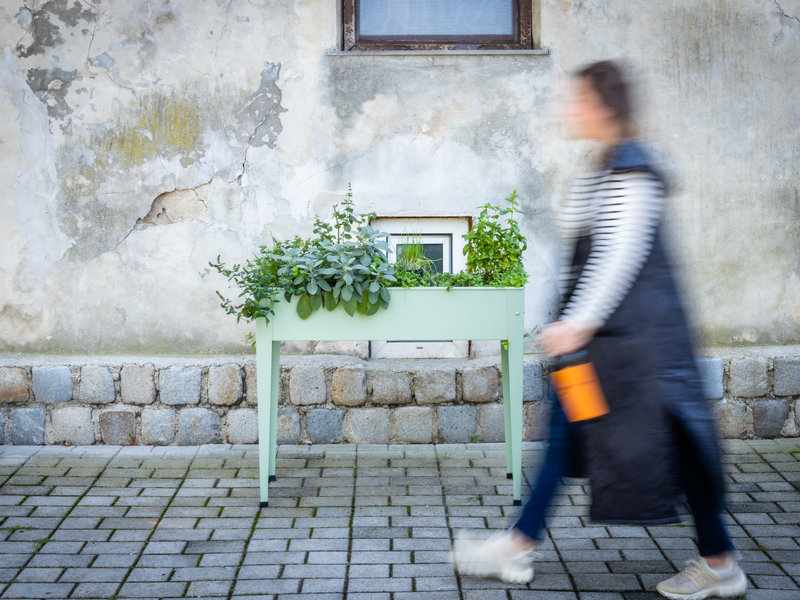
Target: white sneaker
496 556
698 581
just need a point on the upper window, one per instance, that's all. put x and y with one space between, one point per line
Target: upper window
436 24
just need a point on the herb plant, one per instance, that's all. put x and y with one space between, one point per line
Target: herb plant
345 263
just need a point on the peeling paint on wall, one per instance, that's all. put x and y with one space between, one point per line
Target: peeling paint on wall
41 30
50 86
259 119
176 206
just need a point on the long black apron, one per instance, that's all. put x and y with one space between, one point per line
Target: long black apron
658 412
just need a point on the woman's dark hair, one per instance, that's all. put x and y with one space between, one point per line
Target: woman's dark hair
608 79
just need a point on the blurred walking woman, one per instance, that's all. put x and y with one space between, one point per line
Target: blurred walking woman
620 305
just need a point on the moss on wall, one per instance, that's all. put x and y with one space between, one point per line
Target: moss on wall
167 125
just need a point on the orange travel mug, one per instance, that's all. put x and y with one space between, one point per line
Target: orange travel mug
578 388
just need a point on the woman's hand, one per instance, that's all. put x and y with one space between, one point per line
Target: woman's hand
564 337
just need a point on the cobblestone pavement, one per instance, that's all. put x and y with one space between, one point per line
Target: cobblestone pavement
347 522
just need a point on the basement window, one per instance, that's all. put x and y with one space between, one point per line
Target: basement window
442 242
374 25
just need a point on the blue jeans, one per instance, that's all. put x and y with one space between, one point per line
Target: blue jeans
712 537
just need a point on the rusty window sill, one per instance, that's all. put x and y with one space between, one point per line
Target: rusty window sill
521 52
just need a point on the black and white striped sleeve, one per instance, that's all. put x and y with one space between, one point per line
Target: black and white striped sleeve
628 212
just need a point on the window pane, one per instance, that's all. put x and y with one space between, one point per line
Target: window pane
435 17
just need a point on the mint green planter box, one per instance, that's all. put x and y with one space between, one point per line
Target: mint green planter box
414 314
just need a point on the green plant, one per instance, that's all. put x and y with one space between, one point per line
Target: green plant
346 264
495 245
493 248
38 544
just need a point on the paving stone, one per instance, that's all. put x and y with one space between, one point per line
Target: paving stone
179 385
349 386
366 425
137 384
78 575
288 426
274 586
118 427
324 426
457 424
206 589
412 424
388 387
480 384
13 385
769 417
307 385
95 590
198 426
96 385
242 426
225 385
491 423
435 385
38 590
748 377
534 385
72 425
153 590
711 373
2 428
158 426
52 384
787 376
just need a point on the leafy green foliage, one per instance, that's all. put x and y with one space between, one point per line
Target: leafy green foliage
344 264
493 248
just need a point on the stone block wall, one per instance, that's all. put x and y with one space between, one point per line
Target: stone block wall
330 399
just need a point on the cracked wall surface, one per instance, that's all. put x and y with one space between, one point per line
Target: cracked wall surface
141 139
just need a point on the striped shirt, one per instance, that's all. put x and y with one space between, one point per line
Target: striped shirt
620 211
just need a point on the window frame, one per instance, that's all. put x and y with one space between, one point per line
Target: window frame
523 35
452 227
445 239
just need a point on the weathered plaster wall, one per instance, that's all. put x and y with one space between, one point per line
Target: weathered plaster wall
141 139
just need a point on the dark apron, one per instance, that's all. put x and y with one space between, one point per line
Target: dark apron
645 362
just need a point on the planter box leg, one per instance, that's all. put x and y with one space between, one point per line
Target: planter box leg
267 357
506 408
275 381
512 405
